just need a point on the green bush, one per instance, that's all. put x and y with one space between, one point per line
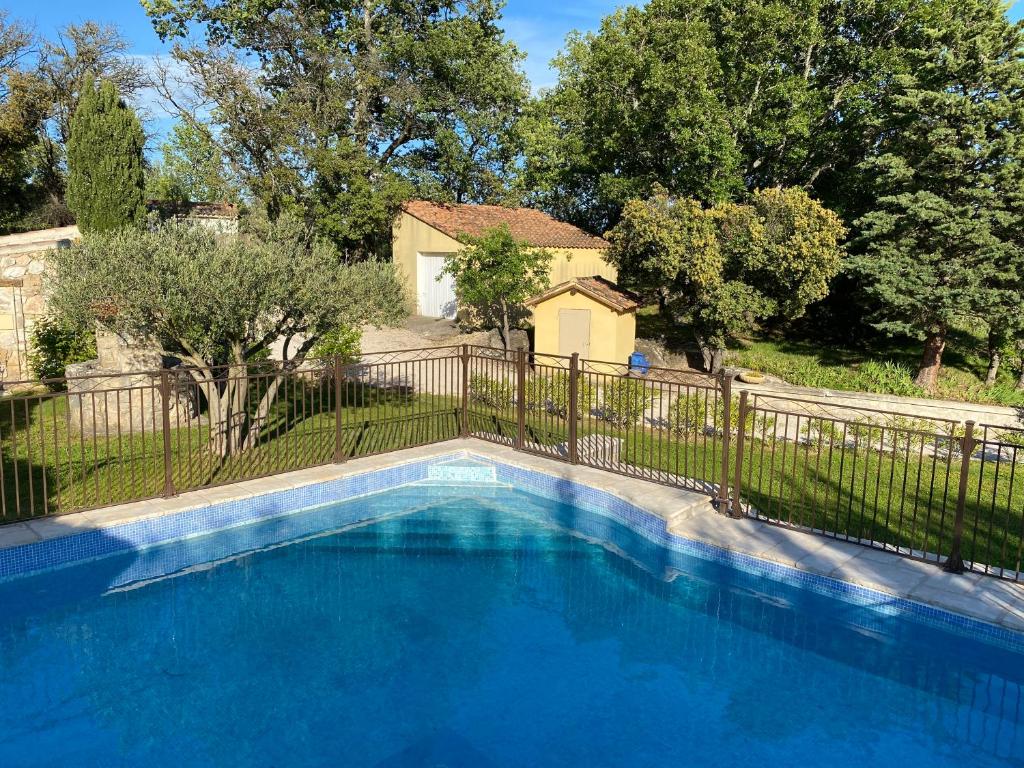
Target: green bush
344 341
56 344
886 378
824 432
492 393
694 415
551 394
624 401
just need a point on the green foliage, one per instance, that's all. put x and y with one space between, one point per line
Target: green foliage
105 166
624 401
551 394
23 107
698 413
221 300
56 344
823 432
211 300
343 341
725 268
715 98
491 393
193 168
495 273
342 111
941 241
886 377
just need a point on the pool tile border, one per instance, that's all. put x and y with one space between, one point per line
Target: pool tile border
262 502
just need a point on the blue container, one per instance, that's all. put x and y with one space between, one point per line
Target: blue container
638 363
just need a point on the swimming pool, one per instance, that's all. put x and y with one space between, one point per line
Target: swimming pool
476 624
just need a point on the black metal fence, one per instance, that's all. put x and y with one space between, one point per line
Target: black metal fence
934 489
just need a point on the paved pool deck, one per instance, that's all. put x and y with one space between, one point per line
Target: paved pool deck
687 514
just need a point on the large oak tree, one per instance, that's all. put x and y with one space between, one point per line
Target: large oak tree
343 108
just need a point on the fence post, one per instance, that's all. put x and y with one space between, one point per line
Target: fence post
338 453
722 502
165 426
464 430
574 406
736 508
955 561
520 398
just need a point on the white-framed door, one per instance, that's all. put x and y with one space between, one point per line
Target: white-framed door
435 289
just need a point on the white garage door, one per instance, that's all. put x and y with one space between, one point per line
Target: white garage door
436 290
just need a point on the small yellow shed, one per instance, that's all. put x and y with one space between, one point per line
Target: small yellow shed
588 315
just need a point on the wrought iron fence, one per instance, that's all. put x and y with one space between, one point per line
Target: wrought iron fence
934 489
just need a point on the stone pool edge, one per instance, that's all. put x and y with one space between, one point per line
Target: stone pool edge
682 520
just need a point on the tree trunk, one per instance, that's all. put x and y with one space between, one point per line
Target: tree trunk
1020 358
994 357
506 331
712 358
993 367
931 360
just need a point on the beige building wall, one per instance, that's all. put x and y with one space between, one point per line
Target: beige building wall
411 236
612 334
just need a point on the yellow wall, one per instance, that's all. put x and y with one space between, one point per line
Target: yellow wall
612 335
411 236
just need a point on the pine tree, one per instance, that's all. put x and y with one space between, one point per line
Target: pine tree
106 176
943 240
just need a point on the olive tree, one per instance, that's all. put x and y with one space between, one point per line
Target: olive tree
725 268
219 303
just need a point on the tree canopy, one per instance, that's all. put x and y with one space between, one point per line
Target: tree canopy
942 242
724 268
343 110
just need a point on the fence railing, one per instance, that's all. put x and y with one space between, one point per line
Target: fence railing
934 489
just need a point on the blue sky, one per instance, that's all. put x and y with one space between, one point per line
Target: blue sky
538 27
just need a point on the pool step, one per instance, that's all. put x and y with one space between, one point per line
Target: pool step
462 472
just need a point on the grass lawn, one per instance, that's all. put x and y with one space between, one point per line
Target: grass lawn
887 366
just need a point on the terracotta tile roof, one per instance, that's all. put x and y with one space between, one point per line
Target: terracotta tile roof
600 290
533 226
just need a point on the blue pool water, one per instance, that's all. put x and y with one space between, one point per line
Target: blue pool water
477 627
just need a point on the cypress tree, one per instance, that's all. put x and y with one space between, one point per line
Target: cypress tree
106 176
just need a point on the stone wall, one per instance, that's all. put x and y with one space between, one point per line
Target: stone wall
119 391
22 293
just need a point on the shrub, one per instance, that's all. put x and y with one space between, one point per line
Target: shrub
693 415
56 344
624 401
492 393
886 377
344 341
822 432
551 394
